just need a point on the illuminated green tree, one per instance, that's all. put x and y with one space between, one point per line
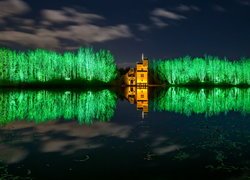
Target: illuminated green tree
207 70
43 66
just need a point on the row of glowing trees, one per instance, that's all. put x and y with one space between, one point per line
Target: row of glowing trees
208 70
87 65
89 106
39 66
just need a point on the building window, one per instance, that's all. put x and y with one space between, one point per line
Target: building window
142 75
131 82
131 89
142 96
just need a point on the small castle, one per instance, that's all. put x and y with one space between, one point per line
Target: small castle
138 76
136 80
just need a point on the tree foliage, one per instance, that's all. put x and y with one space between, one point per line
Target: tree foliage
207 70
43 66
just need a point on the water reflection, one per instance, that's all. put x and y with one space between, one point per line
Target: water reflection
41 106
186 101
158 148
88 106
202 101
16 139
139 96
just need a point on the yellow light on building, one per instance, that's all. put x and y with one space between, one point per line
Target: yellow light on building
142 99
138 95
138 76
136 91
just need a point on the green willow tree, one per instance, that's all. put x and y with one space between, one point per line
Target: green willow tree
208 70
43 66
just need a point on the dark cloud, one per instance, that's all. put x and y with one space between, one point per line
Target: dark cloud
69 15
159 12
129 27
143 27
12 7
77 27
245 2
219 8
159 16
158 22
186 8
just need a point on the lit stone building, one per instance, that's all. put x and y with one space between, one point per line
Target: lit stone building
130 77
138 76
136 91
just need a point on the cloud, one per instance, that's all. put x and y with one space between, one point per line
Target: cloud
219 8
167 14
245 2
39 39
186 8
143 27
93 33
56 27
158 22
69 15
80 34
12 7
157 16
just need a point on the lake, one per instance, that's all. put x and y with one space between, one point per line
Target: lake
146 133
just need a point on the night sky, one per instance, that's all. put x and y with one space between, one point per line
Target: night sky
159 28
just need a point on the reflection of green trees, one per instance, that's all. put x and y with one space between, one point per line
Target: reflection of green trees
208 70
42 106
202 101
43 66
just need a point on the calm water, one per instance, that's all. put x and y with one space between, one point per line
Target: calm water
141 133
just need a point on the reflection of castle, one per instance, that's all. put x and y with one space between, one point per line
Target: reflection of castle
138 95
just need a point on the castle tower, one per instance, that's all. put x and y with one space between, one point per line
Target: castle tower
138 76
142 72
